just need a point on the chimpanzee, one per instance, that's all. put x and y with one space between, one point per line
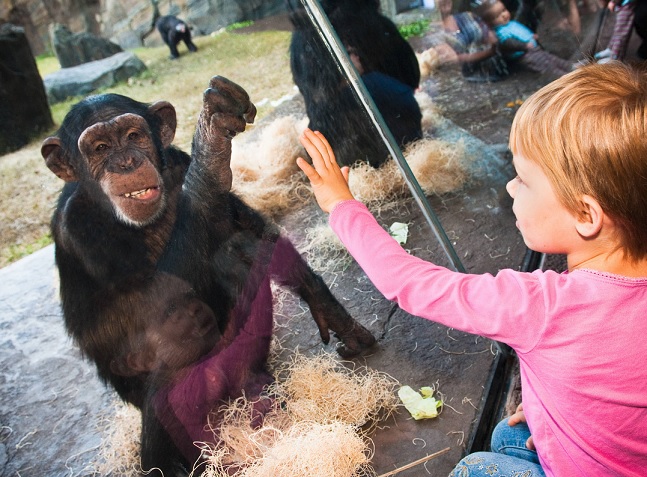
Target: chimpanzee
389 68
173 31
134 206
186 369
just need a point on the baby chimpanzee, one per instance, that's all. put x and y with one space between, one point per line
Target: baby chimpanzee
185 369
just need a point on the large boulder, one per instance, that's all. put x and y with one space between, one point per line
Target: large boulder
85 78
73 49
211 15
23 104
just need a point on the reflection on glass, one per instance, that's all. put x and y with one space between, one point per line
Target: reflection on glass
384 60
403 118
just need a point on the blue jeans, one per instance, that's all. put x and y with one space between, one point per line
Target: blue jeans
509 457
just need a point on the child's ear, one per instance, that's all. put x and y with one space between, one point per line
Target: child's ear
133 363
591 218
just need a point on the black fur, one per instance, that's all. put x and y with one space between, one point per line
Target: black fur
331 106
168 28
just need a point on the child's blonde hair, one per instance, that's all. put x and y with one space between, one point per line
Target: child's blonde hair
588 133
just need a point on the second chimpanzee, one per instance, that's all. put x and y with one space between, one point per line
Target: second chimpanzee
184 368
173 31
389 69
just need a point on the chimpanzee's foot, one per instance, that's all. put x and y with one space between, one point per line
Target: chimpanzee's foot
332 316
354 341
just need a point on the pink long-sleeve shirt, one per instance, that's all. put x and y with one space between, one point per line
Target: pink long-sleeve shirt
581 339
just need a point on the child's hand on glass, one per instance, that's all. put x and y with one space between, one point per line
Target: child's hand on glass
329 181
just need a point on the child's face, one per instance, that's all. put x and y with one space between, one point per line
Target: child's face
499 15
545 224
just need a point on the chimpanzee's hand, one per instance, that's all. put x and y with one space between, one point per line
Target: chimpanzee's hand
226 111
226 108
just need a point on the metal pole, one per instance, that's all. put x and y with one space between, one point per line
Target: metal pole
333 43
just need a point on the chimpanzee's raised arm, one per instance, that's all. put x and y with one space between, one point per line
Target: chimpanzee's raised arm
225 112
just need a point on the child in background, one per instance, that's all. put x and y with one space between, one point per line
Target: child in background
579 150
622 29
517 42
475 44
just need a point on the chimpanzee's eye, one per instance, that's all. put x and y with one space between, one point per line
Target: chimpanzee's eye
133 136
101 147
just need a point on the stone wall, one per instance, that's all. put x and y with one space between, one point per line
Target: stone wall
125 21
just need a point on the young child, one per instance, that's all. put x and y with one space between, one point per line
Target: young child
474 43
517 42
580 154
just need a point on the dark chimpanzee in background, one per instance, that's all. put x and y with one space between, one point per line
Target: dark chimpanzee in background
134 206
173 31
389 69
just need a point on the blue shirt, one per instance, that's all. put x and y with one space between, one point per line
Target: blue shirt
513 30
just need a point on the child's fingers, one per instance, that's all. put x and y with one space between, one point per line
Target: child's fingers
329 150
313 146
310 172
513 420
322 147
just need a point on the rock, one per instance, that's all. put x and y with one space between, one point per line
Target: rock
211 15
74 49
85 78
23 104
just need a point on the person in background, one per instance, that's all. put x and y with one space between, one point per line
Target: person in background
622 28
517 42
474 43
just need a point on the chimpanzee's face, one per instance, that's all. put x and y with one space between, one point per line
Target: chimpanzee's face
121 156
117 144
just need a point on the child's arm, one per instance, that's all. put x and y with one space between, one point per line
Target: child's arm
480 304
512 45
329 181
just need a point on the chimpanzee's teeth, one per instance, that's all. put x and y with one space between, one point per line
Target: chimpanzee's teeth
136 193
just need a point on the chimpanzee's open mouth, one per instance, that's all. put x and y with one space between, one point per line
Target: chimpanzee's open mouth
143 194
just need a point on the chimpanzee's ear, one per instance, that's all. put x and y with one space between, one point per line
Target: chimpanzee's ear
168 120
55 158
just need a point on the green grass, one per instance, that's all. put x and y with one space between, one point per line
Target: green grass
17 251
47 64
417 28
236 26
